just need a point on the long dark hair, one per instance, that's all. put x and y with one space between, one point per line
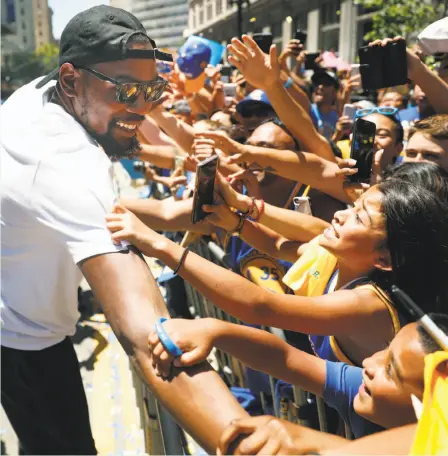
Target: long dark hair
416 214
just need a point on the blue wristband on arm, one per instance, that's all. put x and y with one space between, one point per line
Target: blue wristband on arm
169 345
288 83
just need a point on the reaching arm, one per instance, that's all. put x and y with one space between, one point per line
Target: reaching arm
181 132
132 303
393 441
263 71
166 215
160 156
341 312
302 167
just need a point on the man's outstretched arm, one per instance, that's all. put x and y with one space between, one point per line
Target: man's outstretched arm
197 398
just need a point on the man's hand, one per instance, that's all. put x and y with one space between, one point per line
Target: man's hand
216 139
259 69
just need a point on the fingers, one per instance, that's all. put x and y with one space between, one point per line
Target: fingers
252 45
115 226
234 61
254 443
191 358
347 163
236 53
119 209
273 56
235 159
241 48
346 172
179 180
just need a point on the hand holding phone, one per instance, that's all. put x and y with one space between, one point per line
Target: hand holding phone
226 73
362 147
301 36
204 187
383 65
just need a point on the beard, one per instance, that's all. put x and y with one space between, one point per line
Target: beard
114 149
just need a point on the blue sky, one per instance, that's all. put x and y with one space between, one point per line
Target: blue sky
64 10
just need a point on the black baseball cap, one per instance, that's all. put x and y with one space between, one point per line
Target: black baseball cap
101 34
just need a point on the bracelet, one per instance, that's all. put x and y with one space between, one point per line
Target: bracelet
169 345
239 227
288 83
250 210
260 211
182 259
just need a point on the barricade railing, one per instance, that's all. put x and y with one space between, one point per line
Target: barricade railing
162 434
232 369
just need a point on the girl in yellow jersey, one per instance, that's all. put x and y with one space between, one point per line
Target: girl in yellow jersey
395 233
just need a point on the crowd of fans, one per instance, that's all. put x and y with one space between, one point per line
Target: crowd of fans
326 272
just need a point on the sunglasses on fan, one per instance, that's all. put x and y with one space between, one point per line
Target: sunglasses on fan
128 92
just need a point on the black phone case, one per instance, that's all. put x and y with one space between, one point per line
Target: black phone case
200 198
310 63
383 66
362 149
264 41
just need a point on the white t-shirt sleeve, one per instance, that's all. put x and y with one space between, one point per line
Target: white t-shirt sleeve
73 207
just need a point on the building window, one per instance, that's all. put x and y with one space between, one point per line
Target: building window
218 7
22 11
201 16
209 11
25 40
23 26
331 12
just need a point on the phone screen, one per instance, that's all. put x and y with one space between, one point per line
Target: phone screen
349 111
263 40
362 149
205 186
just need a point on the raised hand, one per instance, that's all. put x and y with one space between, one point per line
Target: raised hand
259 69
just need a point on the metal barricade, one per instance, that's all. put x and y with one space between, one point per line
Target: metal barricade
232 369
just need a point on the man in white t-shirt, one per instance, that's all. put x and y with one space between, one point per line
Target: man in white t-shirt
57 138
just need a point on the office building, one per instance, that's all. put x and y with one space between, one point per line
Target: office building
164 20
331 24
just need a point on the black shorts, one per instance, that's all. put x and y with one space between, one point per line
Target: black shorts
44 399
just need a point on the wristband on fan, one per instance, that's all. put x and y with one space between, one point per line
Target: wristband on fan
169 345
260 211
288 83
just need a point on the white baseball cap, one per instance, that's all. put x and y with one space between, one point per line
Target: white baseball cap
434 38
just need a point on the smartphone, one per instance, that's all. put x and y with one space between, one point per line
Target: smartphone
302 204
349 110
310 60
362 149
204 187
395 68
226 73
301 35
229 90
383 66
264 41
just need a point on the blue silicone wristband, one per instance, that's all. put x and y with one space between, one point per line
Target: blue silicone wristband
288 83
170 346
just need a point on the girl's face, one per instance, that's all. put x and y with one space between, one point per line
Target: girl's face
356 235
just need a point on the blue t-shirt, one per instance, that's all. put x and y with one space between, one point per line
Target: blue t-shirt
409 115
341 386
325 123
